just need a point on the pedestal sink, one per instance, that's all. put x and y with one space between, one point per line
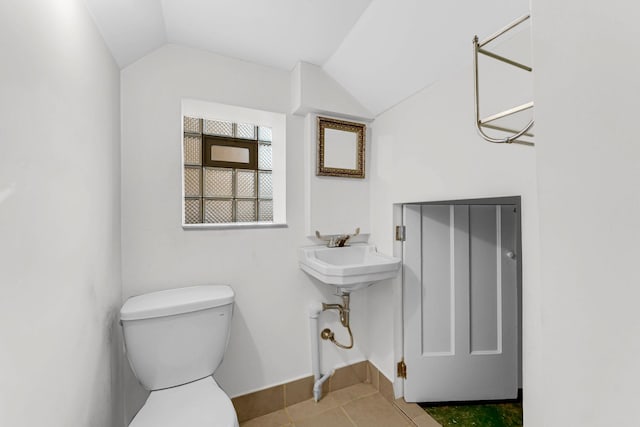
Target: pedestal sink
348 268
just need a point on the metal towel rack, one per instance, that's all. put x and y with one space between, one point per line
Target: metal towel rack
487 121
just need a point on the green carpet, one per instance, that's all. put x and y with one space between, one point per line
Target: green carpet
482 415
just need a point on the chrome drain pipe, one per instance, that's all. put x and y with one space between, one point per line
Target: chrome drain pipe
344 311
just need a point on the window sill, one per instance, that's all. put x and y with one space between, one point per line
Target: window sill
234 226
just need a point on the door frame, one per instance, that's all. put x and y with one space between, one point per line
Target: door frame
398 209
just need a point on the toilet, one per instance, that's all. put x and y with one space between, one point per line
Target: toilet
175 340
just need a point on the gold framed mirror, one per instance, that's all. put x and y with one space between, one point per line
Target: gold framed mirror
340 148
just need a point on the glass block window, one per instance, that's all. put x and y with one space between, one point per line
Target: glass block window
227 172
245 131
217 127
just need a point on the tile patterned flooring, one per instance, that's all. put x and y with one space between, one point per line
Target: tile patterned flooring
360 405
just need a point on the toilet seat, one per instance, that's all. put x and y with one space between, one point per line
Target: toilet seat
201 403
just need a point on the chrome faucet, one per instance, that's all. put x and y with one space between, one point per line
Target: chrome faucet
337 240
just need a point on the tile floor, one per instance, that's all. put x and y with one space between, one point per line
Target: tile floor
359 405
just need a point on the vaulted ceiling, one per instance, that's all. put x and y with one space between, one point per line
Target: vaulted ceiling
380 51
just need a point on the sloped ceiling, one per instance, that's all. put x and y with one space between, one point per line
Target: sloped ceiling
380 51
398 47
278 33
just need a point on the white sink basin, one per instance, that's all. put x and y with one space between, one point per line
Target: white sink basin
348 268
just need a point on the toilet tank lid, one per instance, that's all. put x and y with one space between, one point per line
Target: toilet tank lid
176 301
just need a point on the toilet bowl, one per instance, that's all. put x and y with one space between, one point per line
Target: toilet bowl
174 341
200 403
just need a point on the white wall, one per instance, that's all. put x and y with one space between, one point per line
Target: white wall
586 95
269 338
334 205
59 219
427 149
314 91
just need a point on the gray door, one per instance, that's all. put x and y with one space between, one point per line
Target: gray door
460 302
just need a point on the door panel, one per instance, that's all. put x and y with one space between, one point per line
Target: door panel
460 303
485 282
438 290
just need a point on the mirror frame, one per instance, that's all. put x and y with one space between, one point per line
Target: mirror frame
359 129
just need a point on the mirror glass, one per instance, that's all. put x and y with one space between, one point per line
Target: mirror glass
340 148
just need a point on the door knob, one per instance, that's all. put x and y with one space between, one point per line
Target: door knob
511 254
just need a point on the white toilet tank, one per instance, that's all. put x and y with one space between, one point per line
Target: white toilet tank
177 336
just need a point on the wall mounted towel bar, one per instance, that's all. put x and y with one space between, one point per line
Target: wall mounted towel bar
482 123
